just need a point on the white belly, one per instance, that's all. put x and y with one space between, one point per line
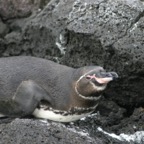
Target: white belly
48 114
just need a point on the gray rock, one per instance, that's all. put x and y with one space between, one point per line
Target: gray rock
10 9
3 29
89 32
26 131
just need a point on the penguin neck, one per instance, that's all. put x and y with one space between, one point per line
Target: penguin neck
87 91
88 96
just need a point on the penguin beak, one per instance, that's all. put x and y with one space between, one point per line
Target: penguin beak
102 77
106 77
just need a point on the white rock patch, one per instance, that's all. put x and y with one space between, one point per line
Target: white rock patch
137 137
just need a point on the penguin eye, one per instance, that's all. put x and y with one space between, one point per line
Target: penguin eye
88 77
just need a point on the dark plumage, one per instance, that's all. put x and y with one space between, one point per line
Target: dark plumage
27 83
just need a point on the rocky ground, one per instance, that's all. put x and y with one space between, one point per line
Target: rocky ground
76 33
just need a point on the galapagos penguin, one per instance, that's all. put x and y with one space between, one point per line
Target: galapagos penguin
44 89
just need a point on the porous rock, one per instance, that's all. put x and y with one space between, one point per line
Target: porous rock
3 28
26 131
11 9
89 32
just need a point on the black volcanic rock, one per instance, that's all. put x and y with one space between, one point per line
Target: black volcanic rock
78 33
26 131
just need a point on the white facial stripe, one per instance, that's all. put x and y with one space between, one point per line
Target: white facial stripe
94 86
87 98
101 88
84 75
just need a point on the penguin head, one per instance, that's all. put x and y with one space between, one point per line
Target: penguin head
94 80
99 77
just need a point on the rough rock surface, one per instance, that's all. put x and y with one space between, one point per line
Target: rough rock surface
85 32
3 29
26 131
11 9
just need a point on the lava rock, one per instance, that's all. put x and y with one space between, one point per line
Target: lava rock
10 9
28 131
3 29
78 33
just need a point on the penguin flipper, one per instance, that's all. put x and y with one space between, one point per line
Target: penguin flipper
26 99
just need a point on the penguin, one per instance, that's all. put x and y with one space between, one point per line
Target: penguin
47 90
